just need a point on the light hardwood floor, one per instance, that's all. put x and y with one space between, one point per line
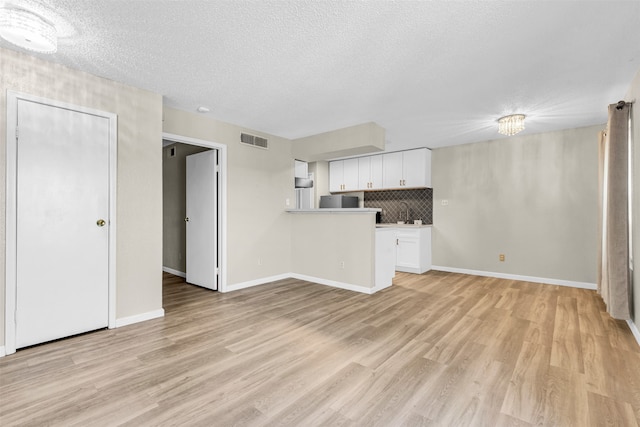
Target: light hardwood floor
436 349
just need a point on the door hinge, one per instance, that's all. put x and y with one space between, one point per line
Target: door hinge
217 168
217 271
17 133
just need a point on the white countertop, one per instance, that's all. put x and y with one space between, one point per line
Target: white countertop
336 210
394 225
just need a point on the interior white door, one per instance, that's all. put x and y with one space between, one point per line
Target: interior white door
202 219
62 223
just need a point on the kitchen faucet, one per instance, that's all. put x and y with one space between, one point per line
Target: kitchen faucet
406 211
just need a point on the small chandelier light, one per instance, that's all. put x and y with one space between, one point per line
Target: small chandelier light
27 30
510 125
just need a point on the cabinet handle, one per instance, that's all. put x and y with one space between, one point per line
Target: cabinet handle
397 240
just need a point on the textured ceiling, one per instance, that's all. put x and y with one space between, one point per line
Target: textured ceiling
432 73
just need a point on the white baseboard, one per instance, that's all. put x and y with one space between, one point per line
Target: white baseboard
318 280
124 321
174 272
634 330
334 284
379 288
3 353
582 285
256 282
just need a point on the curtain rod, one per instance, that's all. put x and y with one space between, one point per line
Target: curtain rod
620 105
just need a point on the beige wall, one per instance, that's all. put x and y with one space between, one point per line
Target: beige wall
634 95
259 181
350 141
532 198
174 204
139 191
323 241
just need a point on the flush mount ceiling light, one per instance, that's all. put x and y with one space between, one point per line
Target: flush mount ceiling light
28 31
203 109
510 125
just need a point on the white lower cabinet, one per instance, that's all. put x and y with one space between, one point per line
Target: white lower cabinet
413 249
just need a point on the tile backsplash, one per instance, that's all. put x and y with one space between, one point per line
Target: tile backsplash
394 204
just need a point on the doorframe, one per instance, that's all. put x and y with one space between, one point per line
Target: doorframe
222 198
11 238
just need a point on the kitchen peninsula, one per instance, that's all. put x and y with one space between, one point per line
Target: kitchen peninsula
343 248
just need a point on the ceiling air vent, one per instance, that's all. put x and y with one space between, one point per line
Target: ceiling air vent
256 141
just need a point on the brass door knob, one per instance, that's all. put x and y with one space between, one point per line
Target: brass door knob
101 222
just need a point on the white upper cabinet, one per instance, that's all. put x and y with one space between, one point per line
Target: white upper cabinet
343 175
416 168
400 170
407 169
392 170
301 169
336 176
370 172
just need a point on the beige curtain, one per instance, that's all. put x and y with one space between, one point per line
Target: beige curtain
614 274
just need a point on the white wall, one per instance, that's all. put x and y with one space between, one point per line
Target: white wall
139 191
532 198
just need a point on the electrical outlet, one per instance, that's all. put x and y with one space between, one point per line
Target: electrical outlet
287 202
445 202
501 257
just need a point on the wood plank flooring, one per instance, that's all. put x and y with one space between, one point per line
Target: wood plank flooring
437 349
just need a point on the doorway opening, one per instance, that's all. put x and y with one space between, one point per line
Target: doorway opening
180 257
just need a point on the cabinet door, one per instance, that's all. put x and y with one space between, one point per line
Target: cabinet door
301 169
392 170
336 176
364 173
375 172
414 168
350 175
407 251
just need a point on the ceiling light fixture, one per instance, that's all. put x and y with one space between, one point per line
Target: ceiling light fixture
28 31
510 125
203 109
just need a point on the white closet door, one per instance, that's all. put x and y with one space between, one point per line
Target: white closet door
62 211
